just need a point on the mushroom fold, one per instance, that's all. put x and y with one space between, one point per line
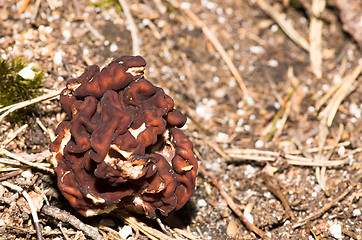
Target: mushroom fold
121 146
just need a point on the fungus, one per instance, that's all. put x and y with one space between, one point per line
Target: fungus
122 146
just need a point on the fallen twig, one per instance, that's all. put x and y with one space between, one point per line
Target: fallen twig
232 205
12 108
216 43
325 208
351 234
39 235
132 27
273 187
11 174
280 19
66 217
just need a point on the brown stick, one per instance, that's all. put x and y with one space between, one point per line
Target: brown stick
272 186
232 205
325 208
352 234
66 217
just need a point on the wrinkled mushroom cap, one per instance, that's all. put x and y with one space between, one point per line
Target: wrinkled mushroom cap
121 146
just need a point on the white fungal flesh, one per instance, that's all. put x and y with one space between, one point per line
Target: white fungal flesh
95 199
65 140
97 211
134 172
136 71
124 153
136 132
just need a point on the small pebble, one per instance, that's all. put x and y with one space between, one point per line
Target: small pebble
27 73
273 63
249 217
66 34
202 203
232 229
113 47
58 58
222 137
26 174
274 28
356 212
257 49
249 171
341 150
259 144
185 5
47 228
336 230
354 110
125 231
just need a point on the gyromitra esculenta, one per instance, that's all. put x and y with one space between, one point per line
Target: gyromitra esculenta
122 146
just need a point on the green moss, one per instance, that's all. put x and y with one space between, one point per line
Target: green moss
296 4
14 88
107 4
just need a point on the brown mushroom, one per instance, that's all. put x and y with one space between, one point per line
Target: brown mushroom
121 146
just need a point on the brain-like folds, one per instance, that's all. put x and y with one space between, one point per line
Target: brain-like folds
121 146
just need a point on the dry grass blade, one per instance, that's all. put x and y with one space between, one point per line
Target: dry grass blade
13 135
328 156
332 89
113 233
224 55
315 33
150 232
94 31
281 117
260 155
184 233
12 108
323 132
23 161
22 5
281 20
316 149
316 46
132 27
39 235
341 92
